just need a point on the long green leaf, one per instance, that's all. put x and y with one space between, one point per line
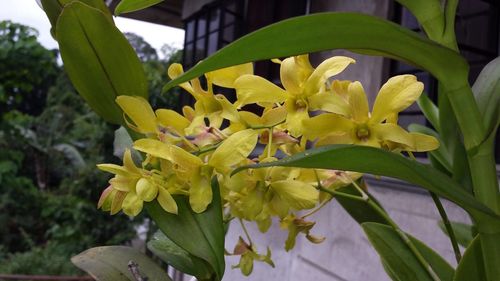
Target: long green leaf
465 233
430 110
379 162
98 59
487 93
399 260
441 154
325 31
177 257
127 6
429 14
110 263
471 267
201 235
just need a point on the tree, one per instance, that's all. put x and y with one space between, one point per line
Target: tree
27 69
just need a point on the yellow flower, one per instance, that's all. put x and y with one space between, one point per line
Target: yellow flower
214 107
131 186
304 89
377 129
234 150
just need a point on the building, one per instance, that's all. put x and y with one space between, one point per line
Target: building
346 254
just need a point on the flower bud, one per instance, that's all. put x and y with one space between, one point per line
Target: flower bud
146 191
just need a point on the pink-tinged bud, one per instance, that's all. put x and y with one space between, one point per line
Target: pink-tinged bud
279 138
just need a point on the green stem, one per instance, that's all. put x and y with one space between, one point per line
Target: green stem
396 228
447 225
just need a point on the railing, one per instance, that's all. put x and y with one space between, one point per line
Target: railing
6 277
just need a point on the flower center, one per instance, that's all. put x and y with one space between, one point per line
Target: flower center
363 132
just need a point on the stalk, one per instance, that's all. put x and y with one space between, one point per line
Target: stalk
447 225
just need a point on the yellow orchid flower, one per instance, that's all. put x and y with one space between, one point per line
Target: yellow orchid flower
214 107
304 89
234 150
131 186
375 129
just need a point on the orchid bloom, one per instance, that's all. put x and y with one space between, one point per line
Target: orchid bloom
377 129
304 89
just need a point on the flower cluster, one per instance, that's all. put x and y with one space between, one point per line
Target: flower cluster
184 151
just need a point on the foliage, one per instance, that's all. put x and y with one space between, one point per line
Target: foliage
187 174
27 69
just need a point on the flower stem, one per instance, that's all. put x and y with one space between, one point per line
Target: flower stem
447 225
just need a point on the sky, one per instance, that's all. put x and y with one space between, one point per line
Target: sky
28 13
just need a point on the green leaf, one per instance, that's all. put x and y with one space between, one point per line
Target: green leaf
440 154
360 211
177 257
463 232
429 14
487 93
127 6
306 34
399 260
110 263
376 161
201 235
471 267
53 9
98 59
430 110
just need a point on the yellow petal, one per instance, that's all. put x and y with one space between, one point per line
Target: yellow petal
175 70
200 193
407 141
358 102
338 138
229 111
326 124
116 203
297 194
329 102
171 119
255 89
294 72
132 205
140 112
128 162
146 190
274 116
251 119
339 87
225 77
234 149
169 152
296 115
114 169
396 94
166 201
325 70
123 183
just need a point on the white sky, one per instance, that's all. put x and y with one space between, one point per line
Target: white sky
28 13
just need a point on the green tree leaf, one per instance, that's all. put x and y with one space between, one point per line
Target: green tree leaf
376 161
98 59
127 6
201 235
471 267
177 257
399 261
110 263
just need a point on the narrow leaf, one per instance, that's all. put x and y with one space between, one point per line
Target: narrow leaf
430 110
463 232
127 6
376 161
177 257
110 263
471 267
201 235
98 59
400 260
487 93
440 154
429 14
360 211
345 31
